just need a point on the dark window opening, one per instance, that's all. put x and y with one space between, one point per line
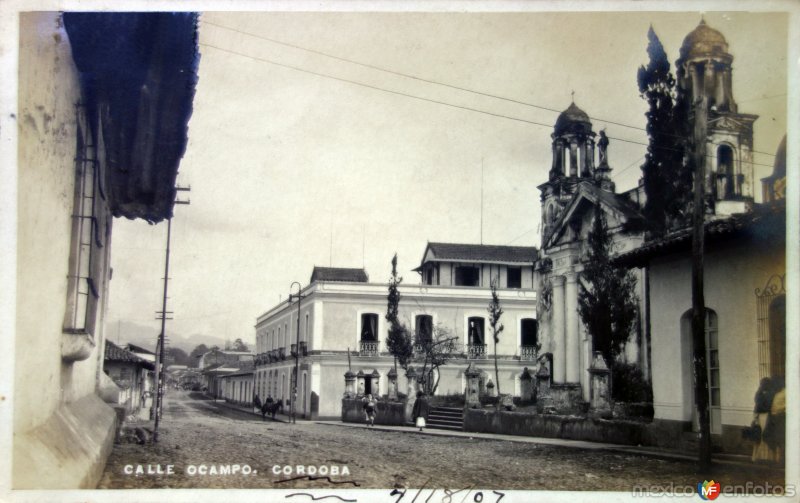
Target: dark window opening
367 386
429 276
424 328
777 336
369 327
467 276
475 332
530 332
726 187
514 277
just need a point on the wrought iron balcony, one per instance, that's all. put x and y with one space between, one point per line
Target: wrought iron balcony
476 351
294 350
282 353
368 348
273 355
303 348
528 353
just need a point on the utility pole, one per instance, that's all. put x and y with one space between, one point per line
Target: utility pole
698 299
299 296
162 336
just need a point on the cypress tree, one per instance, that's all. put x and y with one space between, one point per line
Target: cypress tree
665 170
607 300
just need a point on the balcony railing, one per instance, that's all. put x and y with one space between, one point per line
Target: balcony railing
303 348
293 350
528 353
476 351
368 348
282 353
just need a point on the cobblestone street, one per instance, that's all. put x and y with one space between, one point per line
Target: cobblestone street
200 442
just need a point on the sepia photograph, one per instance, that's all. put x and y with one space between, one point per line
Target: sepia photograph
408 251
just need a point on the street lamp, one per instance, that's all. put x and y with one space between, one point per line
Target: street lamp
299 298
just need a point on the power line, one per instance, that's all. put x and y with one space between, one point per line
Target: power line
430 100
435 82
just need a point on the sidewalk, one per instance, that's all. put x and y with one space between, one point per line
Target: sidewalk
729 459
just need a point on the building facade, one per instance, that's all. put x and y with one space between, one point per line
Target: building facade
342 327
579 182
80 163
744 267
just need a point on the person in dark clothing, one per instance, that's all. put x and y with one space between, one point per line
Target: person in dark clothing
774 433
421 410
763 404
369 410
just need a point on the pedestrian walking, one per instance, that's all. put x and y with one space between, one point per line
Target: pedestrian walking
420 411
369 410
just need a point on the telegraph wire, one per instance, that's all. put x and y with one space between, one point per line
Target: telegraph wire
444 84
420 98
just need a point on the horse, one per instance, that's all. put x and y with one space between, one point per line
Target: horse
271 408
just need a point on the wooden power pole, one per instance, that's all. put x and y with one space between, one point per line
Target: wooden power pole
698 299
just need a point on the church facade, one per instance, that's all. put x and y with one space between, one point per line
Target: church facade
745 259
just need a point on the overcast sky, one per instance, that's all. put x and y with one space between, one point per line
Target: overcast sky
289 170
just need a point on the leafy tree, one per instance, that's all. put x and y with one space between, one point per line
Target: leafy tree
607 301
239 345
495 312
434 352
197 352
178 356
665 172
399 339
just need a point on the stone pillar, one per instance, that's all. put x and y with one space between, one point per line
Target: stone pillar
600 396
392 382
586 164
573 159
375 379
411 378
472 397
526 385
544 402
360 383
559 369
349 384
573 342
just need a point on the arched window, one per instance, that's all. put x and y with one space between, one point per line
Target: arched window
777 337
712 363
726 179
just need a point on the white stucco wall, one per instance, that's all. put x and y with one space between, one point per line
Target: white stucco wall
48 90
732 273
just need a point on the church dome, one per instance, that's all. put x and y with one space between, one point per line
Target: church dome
704 41
573 120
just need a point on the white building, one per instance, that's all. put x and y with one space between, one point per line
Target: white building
343 326
87 152
744 268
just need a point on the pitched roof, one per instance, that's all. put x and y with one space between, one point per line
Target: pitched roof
483 253
352 275
138 349
618 203
115 353
765 223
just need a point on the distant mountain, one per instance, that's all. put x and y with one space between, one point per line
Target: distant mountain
129 332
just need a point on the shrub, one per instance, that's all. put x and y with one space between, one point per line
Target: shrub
629 385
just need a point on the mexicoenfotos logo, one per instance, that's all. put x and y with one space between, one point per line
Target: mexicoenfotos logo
708 490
